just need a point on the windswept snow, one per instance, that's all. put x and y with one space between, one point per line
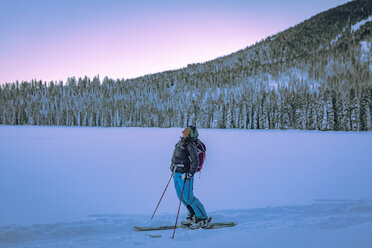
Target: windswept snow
357 25
354 28
88 187
326 222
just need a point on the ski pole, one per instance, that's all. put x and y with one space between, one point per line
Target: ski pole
162 195
179 206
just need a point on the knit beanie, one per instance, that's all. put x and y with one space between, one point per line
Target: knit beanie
193 132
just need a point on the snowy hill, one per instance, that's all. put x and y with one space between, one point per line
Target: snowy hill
314 76
88 187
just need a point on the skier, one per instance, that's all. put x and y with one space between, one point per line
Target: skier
185 162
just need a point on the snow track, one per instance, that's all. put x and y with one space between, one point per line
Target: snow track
117 230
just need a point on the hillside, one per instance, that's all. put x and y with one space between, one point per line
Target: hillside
317 49
315 75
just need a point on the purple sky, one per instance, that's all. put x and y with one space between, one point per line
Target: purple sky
55 39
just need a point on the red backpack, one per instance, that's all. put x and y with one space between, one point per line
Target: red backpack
201 153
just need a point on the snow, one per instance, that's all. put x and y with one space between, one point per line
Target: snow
354 28
336 39
322 224
88 187
365 48
357 25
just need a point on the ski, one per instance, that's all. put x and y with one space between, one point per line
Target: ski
153 236
215 225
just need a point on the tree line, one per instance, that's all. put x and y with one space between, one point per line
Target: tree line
126 103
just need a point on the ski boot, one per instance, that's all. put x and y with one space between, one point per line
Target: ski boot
201 223
190 219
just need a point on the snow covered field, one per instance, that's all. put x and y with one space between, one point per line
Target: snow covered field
88 187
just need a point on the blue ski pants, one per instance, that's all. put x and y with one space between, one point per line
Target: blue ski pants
188 197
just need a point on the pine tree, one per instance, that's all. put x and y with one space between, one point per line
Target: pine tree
365 117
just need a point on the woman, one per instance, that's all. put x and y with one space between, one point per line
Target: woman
185 162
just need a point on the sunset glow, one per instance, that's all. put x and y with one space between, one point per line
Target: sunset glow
52 40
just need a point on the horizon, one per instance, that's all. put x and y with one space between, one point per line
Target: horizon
51 41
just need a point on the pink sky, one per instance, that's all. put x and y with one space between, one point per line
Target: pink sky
48 44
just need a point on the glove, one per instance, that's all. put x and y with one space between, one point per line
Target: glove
172 168
188 175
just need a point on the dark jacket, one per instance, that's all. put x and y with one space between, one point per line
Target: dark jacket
186 153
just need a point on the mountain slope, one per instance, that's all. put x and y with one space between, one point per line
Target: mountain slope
315 75
308 46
